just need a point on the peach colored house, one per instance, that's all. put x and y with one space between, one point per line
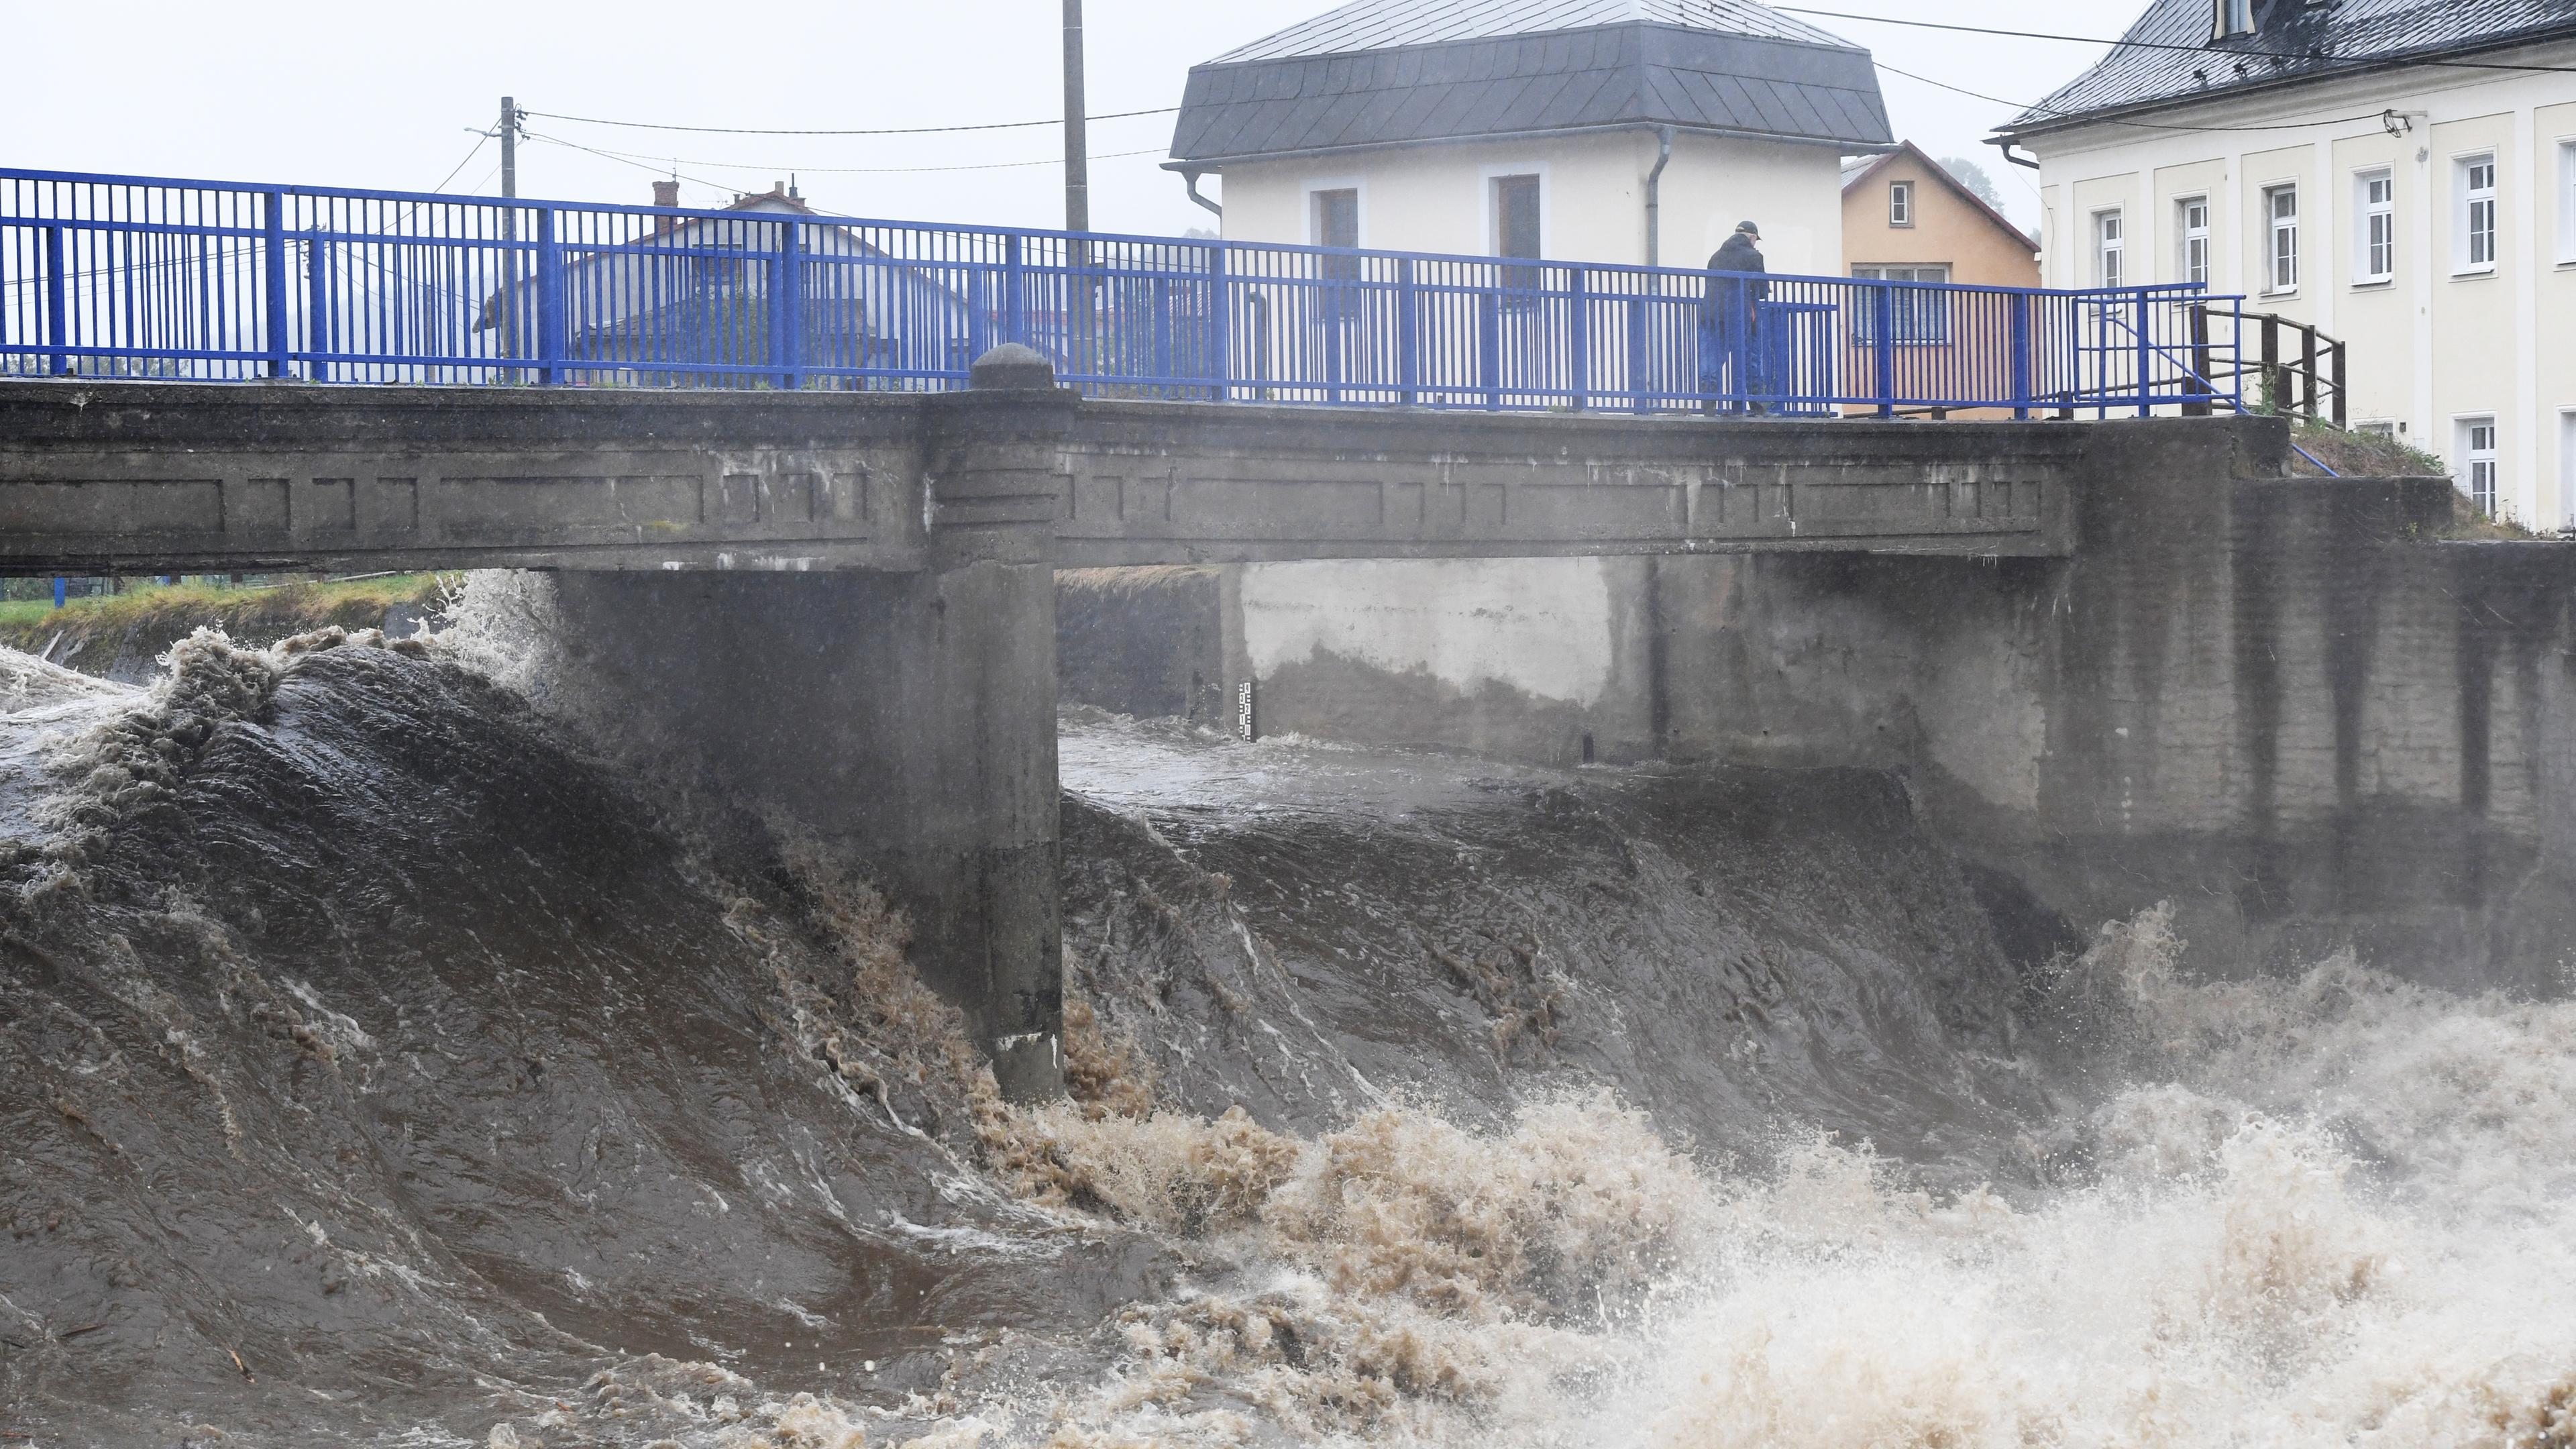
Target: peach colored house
1907 220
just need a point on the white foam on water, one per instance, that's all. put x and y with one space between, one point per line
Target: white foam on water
2327 1211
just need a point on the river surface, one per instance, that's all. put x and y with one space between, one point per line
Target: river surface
378 1066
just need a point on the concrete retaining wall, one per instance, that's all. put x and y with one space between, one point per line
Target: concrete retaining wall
1143 641
1526 658
2284 704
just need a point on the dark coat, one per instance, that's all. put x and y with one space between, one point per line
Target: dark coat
1724 295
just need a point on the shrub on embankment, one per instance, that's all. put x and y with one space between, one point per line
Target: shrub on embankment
122 636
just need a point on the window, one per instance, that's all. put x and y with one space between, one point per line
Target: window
1337 224
1915 314
2567 201
1900 203
2478 462
2476 251
2232 17
2281 204
2192 216
2377 428
2374 238
2567 469
1337 217
1516 226
2107 244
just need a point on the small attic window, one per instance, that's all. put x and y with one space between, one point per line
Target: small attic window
2232 18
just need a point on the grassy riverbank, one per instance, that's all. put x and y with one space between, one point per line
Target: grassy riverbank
120 635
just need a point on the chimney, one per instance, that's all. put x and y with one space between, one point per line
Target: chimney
666 193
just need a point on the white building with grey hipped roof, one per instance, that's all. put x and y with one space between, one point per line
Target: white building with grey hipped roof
1616 131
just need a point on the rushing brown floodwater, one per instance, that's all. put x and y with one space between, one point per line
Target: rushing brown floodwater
377 1069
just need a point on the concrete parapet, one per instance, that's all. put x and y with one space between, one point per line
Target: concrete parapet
154 477
1235 483
157 477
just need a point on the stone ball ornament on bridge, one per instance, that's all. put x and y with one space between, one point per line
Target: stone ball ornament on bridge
1012 367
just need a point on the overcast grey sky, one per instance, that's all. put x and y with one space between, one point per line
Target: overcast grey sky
383 96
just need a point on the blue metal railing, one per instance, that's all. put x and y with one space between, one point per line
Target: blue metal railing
114 276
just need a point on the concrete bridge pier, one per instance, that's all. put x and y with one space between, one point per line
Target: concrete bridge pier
906 717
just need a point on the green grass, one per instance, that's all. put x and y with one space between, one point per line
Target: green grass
143 600
155 615
2356 454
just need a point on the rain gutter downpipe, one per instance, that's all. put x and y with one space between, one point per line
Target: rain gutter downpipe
1654 196
1190 180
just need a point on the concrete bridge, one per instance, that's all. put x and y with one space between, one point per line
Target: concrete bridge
843 604
140 477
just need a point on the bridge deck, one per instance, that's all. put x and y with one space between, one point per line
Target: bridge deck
157 477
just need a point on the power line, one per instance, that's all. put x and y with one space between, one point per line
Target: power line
480 138
2208 50
669 165
882 131
2113 121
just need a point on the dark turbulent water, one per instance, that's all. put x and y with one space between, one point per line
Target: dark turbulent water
375 1068
1741 953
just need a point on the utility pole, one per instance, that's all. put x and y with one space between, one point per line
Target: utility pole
511 321
1077 149
509 146
1077 193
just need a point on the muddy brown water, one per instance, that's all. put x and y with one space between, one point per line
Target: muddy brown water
393 1073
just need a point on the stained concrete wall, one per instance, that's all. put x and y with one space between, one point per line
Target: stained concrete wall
1143 641
1529 658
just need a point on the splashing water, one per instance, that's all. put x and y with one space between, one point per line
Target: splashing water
375 1069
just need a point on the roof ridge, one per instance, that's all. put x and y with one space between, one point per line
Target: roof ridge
2309 42
1362 26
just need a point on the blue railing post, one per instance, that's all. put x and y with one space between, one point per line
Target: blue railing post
58 312
273 249
1489 346
2075 350
2021 355
2146 366
1637 323
977 283
1337 300
1578 343
59 589
1882 321
1015 300
317 307
1220 301
550 300
1163 334
1258 304
786 310
2236 374
1408 333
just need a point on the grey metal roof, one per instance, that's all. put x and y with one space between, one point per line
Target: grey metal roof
2294 40
1392 71
1385 24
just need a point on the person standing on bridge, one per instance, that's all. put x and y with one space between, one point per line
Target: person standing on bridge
1729 320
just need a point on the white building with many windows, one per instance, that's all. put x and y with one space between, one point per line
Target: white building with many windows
2400 174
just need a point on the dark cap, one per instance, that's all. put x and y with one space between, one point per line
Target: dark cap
1749 229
